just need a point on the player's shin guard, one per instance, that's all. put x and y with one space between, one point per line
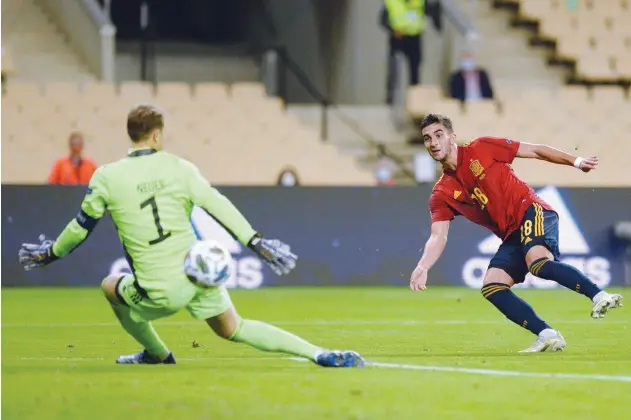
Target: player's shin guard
513 307
266 337
142 332
565 275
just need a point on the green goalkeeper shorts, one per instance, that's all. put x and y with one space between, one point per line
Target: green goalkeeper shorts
199 302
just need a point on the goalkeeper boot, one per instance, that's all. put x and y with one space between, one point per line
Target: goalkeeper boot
604 301
548 340
338 358
144 358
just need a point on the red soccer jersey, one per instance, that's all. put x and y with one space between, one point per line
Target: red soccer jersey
484 188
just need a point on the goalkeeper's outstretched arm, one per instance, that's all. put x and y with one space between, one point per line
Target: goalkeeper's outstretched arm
219 207
274 253
92 209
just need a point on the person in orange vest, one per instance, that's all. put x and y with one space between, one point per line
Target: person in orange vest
73 169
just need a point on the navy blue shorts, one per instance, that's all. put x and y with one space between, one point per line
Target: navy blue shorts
538 227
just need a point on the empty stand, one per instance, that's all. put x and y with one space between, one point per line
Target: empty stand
235 135
595 34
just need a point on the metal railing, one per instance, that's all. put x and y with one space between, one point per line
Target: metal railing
91 32
277 61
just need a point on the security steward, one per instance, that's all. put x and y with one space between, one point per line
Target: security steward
404 20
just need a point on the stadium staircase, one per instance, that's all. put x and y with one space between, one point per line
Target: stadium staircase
39 50
504 50
591 39
358 131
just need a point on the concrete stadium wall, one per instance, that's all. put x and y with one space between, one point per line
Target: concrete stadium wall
344 236
342 48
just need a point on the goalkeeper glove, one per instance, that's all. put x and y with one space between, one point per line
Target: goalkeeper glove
276 254
37 255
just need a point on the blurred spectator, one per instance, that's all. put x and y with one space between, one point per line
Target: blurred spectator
470 82
384 169
288 177
73 169
404 20
424 167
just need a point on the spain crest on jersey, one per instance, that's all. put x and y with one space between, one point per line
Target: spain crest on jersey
476 168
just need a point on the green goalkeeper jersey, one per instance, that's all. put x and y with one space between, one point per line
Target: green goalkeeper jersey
150 195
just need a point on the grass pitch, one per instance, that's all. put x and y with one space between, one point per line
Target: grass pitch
59 346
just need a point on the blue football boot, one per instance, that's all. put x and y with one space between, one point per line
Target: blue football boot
338 358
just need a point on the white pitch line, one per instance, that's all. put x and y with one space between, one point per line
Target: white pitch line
491 372
392 322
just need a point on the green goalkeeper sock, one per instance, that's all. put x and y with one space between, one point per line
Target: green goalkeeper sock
142 332
266 337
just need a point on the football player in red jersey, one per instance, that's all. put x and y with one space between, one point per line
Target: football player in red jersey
479 184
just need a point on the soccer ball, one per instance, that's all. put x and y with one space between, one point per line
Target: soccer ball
208 264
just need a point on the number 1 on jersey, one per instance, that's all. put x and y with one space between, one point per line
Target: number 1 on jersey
156 218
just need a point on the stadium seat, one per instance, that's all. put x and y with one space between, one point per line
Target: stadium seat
419 98
623 67
247 91
65 98
607 96
98 95
209 128
22 93
449 107
211 94
483 110
573 96
134 93
596 67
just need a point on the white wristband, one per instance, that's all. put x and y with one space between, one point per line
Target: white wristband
577 162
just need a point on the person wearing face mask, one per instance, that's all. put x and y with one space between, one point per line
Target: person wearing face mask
73 169
384 169
288 178
470 82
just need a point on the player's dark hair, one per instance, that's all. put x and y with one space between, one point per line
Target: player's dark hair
142 120
430 119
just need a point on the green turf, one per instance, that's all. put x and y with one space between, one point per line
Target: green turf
58 347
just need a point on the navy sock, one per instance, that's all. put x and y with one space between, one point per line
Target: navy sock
565 275
513 307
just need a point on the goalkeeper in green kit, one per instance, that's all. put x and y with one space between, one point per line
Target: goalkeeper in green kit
150 195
